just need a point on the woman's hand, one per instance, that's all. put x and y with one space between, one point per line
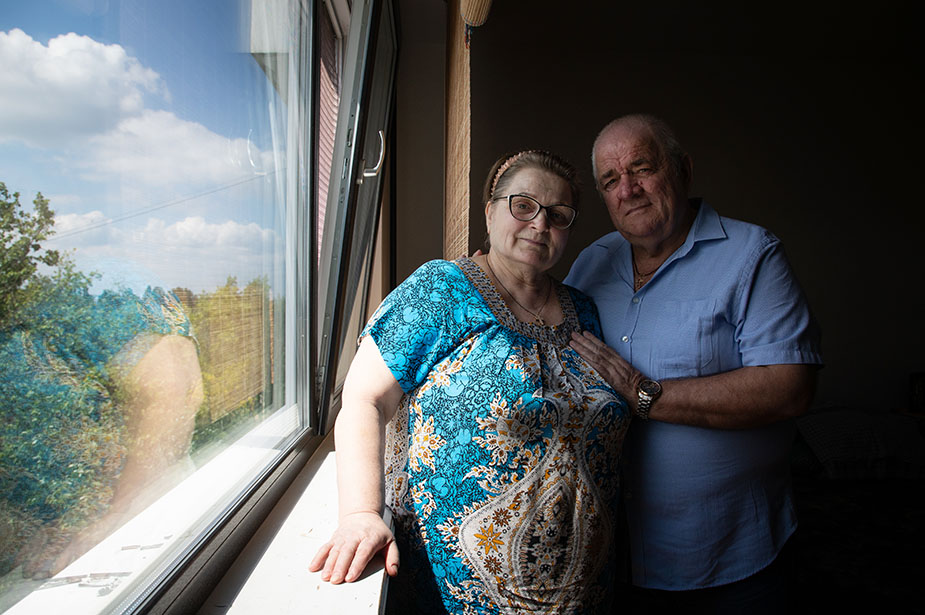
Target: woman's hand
358 538
618 373
370 399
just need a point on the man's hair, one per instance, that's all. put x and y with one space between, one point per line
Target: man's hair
664 137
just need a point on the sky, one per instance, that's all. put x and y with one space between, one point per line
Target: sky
152 131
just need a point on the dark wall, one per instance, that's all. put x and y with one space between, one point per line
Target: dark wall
804 121
800 119
420 94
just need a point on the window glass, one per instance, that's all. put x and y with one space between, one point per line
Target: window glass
150 156
328 68
354 196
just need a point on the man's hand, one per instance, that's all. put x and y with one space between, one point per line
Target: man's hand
618 373
742 398
358 538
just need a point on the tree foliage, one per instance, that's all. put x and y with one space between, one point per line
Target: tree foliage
21 252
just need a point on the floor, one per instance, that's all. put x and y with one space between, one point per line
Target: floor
861 545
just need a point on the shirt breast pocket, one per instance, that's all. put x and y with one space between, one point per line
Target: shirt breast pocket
686 331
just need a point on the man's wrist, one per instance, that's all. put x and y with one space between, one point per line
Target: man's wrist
647 391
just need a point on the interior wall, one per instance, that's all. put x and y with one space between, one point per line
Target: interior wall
806 123
419 133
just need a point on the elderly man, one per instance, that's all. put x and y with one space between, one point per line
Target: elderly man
712 342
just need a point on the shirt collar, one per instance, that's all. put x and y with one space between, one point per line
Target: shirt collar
707 226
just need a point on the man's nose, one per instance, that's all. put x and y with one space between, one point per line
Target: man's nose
627 186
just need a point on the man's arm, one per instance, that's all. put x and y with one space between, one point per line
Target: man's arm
739 399
742 398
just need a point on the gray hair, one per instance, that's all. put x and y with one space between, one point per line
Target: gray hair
504 169
662 134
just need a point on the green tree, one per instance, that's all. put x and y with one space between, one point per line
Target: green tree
20 249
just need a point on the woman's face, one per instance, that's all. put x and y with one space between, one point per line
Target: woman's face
533 244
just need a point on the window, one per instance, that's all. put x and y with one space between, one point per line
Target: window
169 237
361 143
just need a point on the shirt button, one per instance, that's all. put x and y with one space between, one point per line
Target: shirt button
625 338
635 299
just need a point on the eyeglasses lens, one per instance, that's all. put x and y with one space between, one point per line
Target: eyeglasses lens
524 208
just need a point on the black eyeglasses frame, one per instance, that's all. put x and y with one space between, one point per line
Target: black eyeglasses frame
541 207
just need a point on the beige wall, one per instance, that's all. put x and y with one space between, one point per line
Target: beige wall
419 118
807 123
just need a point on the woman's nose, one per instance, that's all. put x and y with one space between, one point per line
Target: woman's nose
541 221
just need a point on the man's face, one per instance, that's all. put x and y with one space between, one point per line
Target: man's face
644 194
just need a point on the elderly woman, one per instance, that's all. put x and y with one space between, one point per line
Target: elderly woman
467 413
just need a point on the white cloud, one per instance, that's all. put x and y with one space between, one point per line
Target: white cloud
74 231
81 105
192 252
95 228
156 148
64 200
65 224
83 101
72 88
194 231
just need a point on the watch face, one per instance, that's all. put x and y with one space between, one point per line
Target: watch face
650 387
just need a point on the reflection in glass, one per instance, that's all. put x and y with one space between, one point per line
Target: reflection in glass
142 367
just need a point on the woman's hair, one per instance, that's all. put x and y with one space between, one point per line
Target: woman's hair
506 167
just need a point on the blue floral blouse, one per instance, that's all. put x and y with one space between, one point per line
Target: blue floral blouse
502 460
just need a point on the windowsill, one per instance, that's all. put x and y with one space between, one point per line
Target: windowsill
109 572
277 577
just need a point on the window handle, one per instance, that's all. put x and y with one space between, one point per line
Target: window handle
373 172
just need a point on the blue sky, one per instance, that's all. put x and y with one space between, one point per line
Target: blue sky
150 128
163 36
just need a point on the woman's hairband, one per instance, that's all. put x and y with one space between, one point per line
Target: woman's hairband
505 166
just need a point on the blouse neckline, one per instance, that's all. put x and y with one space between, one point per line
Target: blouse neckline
559 334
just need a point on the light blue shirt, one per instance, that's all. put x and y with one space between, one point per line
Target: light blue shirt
705 507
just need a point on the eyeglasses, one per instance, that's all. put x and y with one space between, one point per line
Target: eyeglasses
526 208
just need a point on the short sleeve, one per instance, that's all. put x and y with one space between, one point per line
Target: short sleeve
775 325
164 314
130 318
424 320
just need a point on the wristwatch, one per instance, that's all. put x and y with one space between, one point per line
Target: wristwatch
648 391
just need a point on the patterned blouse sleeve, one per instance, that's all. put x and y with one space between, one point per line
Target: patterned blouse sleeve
422 321
128 316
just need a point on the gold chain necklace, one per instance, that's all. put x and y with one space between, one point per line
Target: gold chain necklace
536 315
641 277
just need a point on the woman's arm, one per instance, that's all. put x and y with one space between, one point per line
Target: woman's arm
371 396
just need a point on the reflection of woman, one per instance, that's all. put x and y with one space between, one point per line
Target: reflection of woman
99 396
501 460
